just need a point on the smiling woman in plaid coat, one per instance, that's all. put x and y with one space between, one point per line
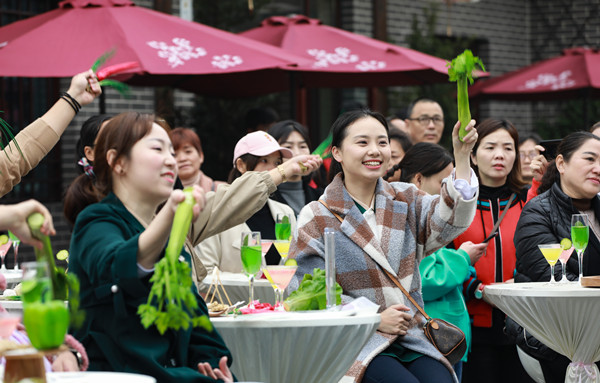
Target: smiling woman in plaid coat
385 226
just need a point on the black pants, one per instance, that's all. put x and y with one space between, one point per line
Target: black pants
494 363
386 369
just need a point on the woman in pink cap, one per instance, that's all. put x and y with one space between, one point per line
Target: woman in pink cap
256 151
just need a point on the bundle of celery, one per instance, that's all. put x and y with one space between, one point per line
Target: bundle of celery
461 70
64 286
171 303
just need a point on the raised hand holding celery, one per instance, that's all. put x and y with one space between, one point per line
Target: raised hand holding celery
460 70
171 303
64 286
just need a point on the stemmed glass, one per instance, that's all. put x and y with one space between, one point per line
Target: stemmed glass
283 232
4 247
283 227
281 277
551 252
251 253
16 242
564 257
580 233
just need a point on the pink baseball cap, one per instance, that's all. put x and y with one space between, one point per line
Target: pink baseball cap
260 144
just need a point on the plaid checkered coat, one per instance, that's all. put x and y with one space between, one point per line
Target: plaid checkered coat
412 223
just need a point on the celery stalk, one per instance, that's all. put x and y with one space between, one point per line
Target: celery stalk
460 70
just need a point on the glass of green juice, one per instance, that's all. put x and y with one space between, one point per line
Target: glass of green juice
251 253
580 233
283 227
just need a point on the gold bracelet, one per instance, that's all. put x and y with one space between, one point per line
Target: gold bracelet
282 172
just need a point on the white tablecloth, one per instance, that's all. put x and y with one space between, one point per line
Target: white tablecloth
237 288
295 347
13 306
566 318
12 277
97 377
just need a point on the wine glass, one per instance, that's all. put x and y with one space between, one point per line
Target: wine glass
580 233
251 253
3 250
16 242
551 252
283 227
564 257
281 277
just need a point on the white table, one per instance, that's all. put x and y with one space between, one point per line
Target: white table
295 347
237 287
97 377
12 277
13 306
565 317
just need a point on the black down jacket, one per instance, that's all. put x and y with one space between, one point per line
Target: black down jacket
547 219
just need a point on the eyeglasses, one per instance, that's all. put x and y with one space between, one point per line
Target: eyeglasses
424 120
528 155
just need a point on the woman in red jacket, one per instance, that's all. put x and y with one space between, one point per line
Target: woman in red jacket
495 159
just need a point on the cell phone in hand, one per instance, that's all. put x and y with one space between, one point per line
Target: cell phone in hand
550 146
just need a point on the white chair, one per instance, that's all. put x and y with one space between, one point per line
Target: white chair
531 366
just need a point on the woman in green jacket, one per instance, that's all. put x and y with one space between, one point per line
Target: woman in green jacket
443 272
117 241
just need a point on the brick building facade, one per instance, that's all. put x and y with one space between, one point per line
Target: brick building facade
510 34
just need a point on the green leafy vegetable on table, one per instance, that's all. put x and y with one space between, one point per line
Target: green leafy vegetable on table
64 286
311 294
171 303
460 70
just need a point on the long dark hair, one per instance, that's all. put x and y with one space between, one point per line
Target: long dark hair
569 145
425 158
514 181
88 133
250 160
339 131
120 134
282 130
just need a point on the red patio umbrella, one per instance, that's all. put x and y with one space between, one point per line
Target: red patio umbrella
575 73
339 58
171 51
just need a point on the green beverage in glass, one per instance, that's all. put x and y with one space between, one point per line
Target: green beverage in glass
283 227
36 285
251 259
251 254
580 235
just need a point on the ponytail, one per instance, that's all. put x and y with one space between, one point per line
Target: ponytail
78 196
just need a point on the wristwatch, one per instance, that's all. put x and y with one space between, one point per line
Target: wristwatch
78 356
479 291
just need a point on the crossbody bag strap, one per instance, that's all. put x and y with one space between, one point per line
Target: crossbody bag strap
336 215
395 280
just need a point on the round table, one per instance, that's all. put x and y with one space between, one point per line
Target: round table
97 377
295 347
562 316
237 288
12 306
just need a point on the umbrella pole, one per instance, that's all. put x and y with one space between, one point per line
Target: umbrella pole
102 103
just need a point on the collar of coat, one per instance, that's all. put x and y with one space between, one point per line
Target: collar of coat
387 201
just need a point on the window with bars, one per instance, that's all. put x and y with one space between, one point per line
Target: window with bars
22 100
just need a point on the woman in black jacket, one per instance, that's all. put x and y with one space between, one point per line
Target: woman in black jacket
570 186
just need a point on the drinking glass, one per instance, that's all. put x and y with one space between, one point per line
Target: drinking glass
16 242
580 233
551 252
281 277
36 285
283 248
251 253
283 227
564 257
3 250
